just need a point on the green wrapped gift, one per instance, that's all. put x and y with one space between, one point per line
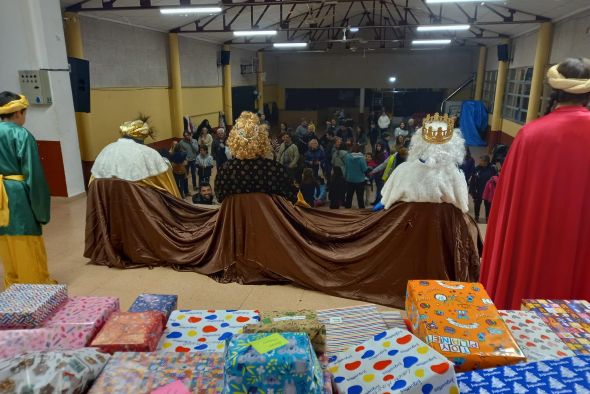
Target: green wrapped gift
292 321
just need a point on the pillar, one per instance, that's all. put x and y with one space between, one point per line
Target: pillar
176 104
541 60
227 98
499 100
481 70
260 82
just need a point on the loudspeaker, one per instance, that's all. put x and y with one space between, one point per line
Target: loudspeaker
80 81
503 53
224 58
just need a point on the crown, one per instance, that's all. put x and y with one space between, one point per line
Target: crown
438 136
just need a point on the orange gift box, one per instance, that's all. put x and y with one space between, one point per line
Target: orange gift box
460 321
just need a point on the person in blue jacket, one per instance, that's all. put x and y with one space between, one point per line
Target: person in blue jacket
355 173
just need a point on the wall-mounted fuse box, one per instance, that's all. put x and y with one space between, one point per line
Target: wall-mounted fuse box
34 85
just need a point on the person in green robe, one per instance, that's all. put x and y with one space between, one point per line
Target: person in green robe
24 197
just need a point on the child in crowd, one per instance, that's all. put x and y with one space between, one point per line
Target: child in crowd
490 189
308 187
179 164
337 193
204 164
481 175
205 195
321 193
371 164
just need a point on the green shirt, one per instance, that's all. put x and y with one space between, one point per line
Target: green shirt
28 200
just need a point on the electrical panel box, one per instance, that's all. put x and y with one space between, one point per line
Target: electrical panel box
34 85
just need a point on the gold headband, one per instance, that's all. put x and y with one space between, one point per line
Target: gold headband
14 105
569 85
137 129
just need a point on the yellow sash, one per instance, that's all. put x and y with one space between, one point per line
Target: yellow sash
4 212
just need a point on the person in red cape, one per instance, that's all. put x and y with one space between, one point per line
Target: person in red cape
538 237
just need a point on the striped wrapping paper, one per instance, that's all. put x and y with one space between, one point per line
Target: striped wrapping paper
393 319
346 327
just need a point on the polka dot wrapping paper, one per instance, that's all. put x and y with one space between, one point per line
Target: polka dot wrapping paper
534 337
204 330
393 361
460 321
570 375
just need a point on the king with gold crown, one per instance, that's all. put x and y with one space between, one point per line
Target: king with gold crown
431 173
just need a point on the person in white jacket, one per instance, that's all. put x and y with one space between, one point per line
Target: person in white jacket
383 122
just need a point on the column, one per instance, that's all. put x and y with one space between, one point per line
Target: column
541 60
176 104
362 106
481 70
227 98
499 100
260 81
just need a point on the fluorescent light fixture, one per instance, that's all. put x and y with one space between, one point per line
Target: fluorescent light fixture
459 1
191 10
431 42
353 29
247 33
443 27
290 44
392 79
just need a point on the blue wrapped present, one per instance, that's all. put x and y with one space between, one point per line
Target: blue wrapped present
164 303
272 363
565 375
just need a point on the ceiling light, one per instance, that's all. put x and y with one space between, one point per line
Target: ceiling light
392 79
255 33
191 10
290 44
443 27
353 29
459 1
428 42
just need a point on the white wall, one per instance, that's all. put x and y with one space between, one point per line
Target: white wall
271 67
571 38
241 56
33 38
523 50
198 63
413 69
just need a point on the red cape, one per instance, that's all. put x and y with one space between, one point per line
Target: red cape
538 237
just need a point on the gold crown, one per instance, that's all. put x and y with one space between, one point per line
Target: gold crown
438 136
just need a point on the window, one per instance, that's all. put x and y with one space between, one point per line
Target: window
489 89
518 89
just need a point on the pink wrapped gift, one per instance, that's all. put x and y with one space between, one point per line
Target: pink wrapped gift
73 326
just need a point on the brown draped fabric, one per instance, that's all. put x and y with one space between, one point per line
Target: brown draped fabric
257 238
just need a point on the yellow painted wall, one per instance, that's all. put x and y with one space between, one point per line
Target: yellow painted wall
203 103
511 128
270 94
111 107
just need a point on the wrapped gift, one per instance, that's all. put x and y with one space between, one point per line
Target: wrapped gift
569 319
164 303
292 321
393 319
536 340
51 372
328 377
565 375
460 321
277 363
204 330
28 306
144 373
73 326
346 327
393 361
130 332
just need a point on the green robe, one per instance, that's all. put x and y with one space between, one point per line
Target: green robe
28 200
